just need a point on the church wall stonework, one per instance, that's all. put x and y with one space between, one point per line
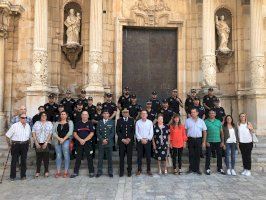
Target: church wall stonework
233 81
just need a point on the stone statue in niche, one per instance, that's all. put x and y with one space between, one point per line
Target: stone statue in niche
223 31
72 48
73 27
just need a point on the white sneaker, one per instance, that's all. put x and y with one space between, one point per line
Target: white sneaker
248 173
244 172
229 172
233 172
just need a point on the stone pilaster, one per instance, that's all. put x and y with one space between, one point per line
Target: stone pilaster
37 92
208 43
94 85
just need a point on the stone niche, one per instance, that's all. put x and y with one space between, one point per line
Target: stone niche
72 50
222 57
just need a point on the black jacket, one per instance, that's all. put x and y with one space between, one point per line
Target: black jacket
125 129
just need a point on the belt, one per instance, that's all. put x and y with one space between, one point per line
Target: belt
19 142
194 137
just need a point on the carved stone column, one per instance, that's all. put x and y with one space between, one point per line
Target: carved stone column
37 92
208 43
257 67
6 10
94 86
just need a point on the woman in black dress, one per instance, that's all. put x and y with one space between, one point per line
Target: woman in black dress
160 143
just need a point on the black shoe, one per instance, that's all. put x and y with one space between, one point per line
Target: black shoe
111 175
121 175
12 179
91 175
73 175
189 171
208 172
129 174
199 172
23 178
201 156
98 175
221 171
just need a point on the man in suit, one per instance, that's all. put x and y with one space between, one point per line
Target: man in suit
105 133
125 129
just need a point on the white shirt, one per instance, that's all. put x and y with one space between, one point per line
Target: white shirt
232 136
19 133
42 130
244 133
105 120
144 129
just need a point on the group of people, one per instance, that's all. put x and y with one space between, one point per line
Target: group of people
76 128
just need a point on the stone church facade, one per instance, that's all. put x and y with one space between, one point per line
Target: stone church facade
34 62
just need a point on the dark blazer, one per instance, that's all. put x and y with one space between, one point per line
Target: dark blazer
106 131
125 129
226 133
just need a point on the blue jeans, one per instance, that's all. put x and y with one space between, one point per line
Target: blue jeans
62 149
230 153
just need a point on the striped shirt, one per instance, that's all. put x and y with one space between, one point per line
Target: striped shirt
19 133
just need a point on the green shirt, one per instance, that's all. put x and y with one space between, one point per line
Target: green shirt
213 130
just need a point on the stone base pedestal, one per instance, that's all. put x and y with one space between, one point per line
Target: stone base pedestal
2 123
255 108
36 96
97 92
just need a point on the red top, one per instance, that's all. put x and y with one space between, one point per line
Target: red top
177 136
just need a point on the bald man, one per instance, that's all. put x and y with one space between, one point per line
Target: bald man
22 110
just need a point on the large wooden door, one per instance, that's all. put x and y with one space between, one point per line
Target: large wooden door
149 61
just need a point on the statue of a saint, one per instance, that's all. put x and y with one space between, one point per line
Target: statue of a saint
223 31
73 27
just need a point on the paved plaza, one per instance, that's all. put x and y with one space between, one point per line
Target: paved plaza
143 187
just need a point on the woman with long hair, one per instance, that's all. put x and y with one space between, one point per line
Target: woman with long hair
231 141
160 143
62 133
245 130
177 141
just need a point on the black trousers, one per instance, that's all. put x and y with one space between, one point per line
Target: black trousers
42 157
214 146
194 148
87 148
123 150
140 148
19 150
246 149
177 152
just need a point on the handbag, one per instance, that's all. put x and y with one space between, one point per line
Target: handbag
254 138
169 161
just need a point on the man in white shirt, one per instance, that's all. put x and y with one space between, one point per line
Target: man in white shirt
18 140
144 134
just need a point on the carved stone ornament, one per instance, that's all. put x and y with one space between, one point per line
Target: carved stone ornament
95 73
150 10
223 58
257 72
72 53
40 73
209 71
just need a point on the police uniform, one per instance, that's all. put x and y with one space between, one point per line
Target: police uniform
167 113
134 109
51 109
209 101
220 113
201 110
174 104
189 103
125 128
91 110
69 105
57 116
105 130
156 104
151 115
110 106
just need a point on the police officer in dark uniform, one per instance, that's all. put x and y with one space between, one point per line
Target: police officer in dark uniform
220 113
156 104
134 108
199 107
69 104
208 101
51 108
125 129
175 102
83 98
60 109
189 103
37 117
151 113
105 134
78 111
90 107
166 112
124 101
